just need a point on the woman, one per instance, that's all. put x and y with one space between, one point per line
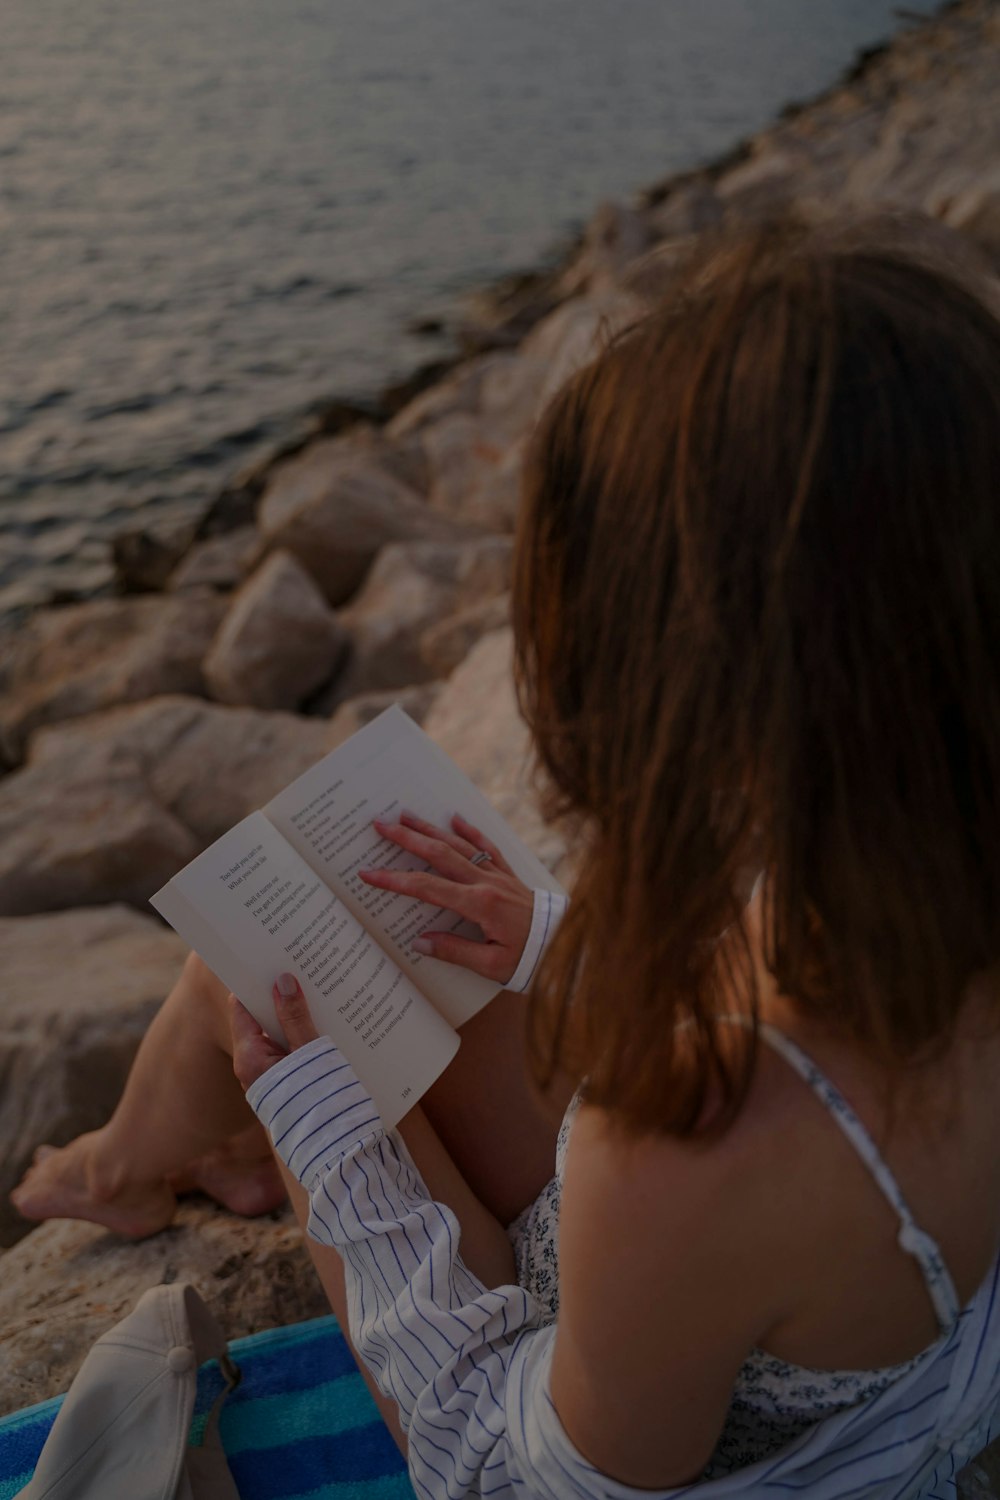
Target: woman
758 634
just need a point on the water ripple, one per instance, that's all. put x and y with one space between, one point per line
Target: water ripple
215 215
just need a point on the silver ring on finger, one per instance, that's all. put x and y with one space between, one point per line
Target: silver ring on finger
481 857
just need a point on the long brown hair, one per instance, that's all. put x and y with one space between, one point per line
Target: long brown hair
757 622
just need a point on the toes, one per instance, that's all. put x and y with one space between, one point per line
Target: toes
22 1201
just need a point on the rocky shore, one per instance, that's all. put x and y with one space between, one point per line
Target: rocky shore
372 565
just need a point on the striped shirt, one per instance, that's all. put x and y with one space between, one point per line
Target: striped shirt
468 1365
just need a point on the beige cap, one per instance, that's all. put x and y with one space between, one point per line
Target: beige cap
122 1432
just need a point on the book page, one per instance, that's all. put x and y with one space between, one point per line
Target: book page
253 909
327 815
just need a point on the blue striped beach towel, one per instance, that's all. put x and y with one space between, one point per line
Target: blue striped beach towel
301 1425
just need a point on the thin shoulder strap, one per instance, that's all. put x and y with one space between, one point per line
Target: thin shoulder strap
911 1238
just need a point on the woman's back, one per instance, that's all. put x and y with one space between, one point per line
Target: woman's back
861 1299
806 1221
763 526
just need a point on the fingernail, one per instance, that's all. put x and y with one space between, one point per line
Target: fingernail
422 945
288 985
407 812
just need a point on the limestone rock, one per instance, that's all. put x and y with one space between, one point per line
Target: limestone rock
145 556
400 453
109 807
80 987
205 765
976 212
412 585
68 1282
83 657
615 236
458 392
495 498
449 641
475 468
475 719
353 715
218 562
686 210
518 391
764 181
335 505
71 835
279 641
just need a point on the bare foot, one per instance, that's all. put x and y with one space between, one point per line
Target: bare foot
66 1183
241 1175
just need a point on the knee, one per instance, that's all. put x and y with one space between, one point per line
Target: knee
198 976
206 991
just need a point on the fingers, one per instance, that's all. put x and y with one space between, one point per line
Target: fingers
463 838
293 1011
253 1050
470 901
490 960
480 841
242 1024
428 844
411 820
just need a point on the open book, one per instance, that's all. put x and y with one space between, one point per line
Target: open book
280 892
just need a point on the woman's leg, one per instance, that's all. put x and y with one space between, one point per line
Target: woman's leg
182 1103
486 1250
182 1122
498 1130
330 1270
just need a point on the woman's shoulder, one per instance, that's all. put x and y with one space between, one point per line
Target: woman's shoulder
668 1278
809 1239
736 1184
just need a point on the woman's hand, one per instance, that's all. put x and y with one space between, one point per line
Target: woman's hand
472 879
253 1050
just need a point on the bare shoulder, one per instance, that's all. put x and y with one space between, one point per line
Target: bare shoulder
667 1280
727 1195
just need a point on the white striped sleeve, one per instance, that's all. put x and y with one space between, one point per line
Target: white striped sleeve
547 913
468 1366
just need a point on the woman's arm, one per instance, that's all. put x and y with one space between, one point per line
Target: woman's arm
644 1364
485 1109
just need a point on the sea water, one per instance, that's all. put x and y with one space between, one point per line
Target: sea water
216 213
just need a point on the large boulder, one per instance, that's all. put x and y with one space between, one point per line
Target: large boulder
217 562
207 764
70 835
614 237
355 713
475 468
458 392
411 586
145 556
976 212
67 1283
80 987
84 657
686 209
335 505
110 807
279 641
517 392
448 642
476 720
